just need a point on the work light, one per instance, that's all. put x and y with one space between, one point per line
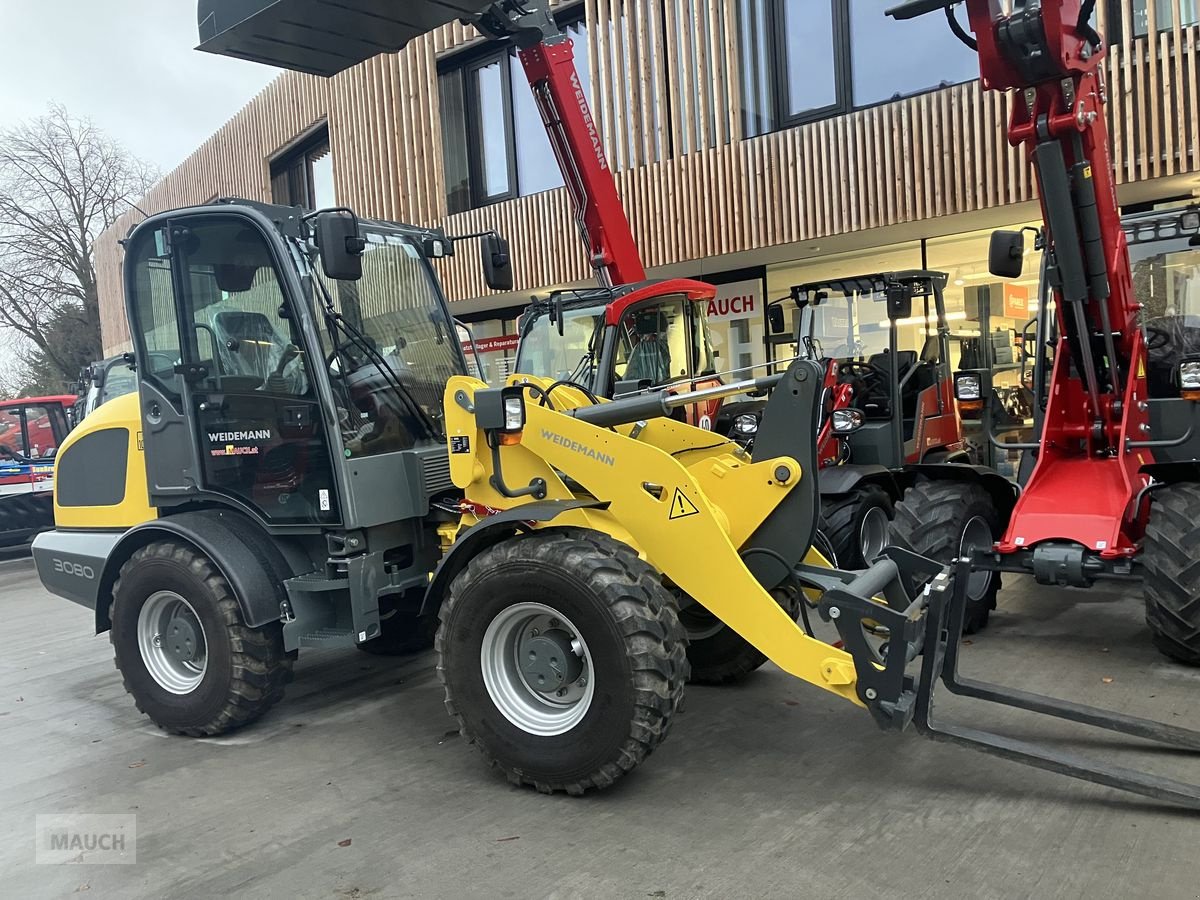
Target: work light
846 421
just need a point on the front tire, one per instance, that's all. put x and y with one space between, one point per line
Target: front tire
562 658
184 652
1172 581
857 524
943 520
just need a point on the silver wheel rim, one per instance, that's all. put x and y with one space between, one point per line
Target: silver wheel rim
511 675
976 535
172 642
873 532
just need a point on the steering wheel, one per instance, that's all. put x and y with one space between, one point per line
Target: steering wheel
1156 338
158 354
865 371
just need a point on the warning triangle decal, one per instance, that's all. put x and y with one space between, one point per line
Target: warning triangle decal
681 506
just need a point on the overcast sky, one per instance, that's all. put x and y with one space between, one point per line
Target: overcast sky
129 65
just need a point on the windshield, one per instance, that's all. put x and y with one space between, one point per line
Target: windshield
406 334
853 326
570 356
1166 281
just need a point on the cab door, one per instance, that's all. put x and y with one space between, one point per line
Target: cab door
241 380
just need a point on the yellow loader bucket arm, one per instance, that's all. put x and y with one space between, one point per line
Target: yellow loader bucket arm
657 505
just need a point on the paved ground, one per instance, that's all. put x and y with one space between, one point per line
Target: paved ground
769 789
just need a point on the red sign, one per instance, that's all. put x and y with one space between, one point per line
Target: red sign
1016 302
504 344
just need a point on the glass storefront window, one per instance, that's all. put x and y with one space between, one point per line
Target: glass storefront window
989 318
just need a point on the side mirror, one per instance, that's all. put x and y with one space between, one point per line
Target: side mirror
775 318
497 262
899 301
1006 255
341 246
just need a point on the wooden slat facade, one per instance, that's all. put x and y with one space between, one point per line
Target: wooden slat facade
666 85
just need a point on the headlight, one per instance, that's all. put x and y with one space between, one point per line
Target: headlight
514 413
967 387
1189 375
1190 221
746 424
845 421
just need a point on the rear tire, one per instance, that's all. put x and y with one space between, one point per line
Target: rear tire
857 524
1172 581
576 605
184 652
938 519
402 632
719 655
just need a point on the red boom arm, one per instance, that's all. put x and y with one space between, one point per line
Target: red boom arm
548 58
1083 488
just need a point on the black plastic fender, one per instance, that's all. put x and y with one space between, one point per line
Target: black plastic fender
489 531
250 559
1004 493
835 480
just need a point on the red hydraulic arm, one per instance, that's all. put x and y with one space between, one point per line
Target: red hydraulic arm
1084 486
549 61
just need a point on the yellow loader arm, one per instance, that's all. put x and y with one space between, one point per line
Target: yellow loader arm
689 521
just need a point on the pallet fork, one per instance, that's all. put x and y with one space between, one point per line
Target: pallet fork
931 627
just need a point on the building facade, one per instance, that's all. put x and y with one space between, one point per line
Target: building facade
757 144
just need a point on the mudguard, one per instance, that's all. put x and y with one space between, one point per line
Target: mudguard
835 480
490 531
250 559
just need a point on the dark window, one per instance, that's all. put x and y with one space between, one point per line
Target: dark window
303 175
890 58
1164 11
494 144
809 59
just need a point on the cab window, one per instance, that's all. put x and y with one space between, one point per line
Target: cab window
652 343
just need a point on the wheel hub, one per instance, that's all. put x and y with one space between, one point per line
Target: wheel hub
537 669
180 639
172 642
547 660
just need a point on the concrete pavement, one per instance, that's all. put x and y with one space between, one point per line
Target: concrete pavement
768 789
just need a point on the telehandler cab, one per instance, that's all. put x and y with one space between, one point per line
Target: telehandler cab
291 481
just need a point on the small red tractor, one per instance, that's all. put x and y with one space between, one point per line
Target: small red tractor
31 430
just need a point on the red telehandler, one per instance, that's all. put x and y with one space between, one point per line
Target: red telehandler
1115 485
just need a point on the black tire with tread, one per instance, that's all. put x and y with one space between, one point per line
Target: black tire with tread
930 518
247 667
726 657
629 622
843 515
1172 579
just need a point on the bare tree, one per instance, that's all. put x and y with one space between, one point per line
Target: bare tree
62 182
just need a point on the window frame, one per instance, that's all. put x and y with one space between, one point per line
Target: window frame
843 71
473 112
468 62
299 153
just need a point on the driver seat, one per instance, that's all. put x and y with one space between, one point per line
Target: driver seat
650 358
249 346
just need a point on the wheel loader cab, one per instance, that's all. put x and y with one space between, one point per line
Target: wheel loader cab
888 335
271 387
